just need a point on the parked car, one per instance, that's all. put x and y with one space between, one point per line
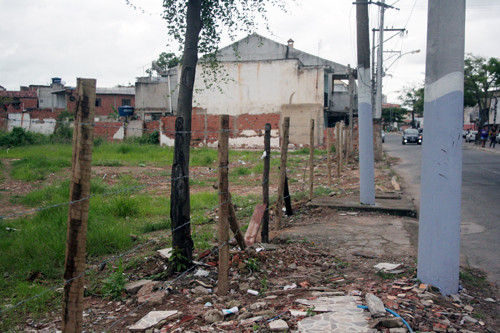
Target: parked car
464 133
471 136
411 135
382 133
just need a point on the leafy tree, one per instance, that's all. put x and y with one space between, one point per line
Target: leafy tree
395 114
165 61
481 78
198 25
413 98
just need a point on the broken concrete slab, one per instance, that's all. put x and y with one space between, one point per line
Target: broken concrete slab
153 319
133 287
375 305
278 325
165 253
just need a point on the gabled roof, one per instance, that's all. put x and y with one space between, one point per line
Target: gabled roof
258 48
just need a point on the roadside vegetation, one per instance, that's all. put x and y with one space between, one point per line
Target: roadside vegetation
125 211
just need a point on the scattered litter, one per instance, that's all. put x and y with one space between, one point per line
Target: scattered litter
199 263
242 162
201 273
208 305
230 311
263 155
11 229
165 253
253 292
203 284
385 267
353 213
292 286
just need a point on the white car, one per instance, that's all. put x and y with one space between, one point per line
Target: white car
471 136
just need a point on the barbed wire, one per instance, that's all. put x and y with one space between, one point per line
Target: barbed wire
107 261
169 282
128 189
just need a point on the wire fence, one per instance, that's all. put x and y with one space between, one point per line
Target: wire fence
137 248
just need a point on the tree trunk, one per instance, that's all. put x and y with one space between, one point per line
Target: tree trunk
179 202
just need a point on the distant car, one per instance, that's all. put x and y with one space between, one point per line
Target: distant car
411 135
464 133
382 133
471 136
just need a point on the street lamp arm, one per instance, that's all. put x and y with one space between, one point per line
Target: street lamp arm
399 57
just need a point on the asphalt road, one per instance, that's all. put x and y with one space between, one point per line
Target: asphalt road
480 226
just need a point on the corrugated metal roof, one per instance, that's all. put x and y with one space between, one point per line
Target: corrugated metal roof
116 91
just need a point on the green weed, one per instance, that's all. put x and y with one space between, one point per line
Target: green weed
114 284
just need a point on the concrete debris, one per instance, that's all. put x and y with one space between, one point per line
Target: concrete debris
152 319
213 316
375 305
278 325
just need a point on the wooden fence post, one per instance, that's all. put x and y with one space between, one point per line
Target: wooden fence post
329 155
311 161
341 145
74 266
265 183
223 157
281 184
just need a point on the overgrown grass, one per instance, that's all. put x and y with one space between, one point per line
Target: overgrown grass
39 243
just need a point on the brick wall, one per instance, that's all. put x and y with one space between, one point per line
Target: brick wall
249 129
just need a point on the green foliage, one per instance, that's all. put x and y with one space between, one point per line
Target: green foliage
393 114
124 206
264 283
18 137
114 284
114 114
31 169
253 264
165 61
178 260
413 98
217 17
242 171
152 138
481 79
310 312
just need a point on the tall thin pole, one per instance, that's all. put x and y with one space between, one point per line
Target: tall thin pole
365 128
440 203
223 172
74 265
311 161
380 59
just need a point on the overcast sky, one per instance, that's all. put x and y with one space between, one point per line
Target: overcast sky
111 41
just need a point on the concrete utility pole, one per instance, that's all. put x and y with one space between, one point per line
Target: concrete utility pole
440 199
380 59
365 128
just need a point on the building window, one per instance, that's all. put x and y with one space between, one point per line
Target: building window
125 101
98 102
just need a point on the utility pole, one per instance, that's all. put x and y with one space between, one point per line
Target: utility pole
440 203
365 128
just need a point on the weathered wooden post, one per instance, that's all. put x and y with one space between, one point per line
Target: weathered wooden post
338 146
281 184
311 161
74 267
328 154
223 157
265 183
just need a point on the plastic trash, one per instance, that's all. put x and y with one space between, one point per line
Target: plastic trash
253 292
230 311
